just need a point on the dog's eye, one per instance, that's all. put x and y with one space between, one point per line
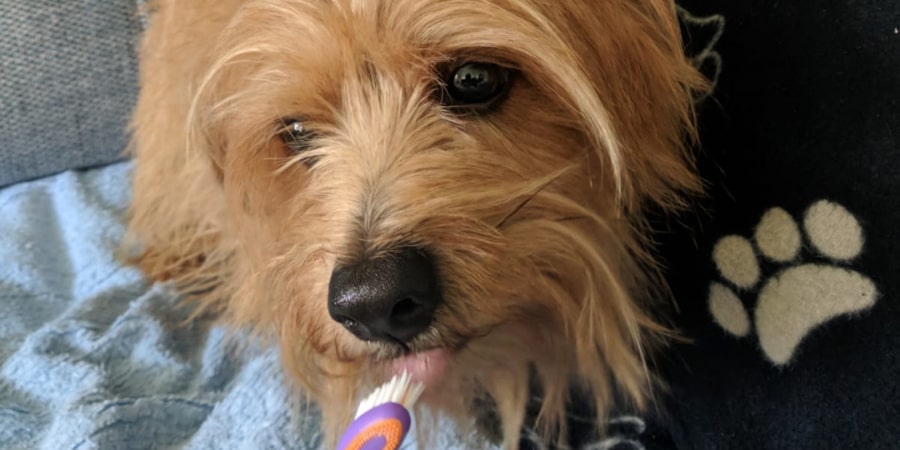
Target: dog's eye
476 84
296 136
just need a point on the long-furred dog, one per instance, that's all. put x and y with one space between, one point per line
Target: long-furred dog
455 188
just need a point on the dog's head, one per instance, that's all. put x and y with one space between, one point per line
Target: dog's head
450 187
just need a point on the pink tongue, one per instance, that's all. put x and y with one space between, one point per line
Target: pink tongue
426 367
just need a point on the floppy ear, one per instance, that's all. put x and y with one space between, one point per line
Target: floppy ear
204 135
173 229
632 51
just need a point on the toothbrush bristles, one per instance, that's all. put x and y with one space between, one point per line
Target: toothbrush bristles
400 389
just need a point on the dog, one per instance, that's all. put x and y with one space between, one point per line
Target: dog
454 188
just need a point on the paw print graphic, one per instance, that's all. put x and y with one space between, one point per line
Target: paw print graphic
622 433
804 292
701 37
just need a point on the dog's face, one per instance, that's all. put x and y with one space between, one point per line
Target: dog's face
448 187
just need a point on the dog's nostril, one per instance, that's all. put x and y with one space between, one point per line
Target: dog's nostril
392 298
404 308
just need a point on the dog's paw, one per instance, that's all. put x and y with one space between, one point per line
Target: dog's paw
799 296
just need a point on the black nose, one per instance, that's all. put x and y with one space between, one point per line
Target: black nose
392 298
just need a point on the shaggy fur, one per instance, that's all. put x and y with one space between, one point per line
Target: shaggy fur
534 209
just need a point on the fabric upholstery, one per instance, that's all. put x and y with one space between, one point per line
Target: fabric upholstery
67 84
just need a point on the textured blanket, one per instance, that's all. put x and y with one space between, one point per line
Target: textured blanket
93 357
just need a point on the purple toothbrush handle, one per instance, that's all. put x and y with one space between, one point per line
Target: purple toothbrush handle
380 428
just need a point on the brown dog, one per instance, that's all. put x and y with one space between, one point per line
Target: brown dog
456 188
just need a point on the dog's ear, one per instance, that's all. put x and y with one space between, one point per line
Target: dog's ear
631 53
205 134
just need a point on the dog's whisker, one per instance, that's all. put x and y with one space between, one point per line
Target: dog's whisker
528 200
573 218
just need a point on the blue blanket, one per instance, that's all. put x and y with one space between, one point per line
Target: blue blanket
94 357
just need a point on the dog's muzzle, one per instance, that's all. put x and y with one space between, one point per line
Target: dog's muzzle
392 298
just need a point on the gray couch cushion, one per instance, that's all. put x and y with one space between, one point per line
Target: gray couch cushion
67 84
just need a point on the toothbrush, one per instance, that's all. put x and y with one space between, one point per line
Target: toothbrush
383 419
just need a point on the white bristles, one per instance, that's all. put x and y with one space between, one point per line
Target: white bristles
401 389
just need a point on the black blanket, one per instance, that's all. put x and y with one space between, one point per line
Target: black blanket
789 281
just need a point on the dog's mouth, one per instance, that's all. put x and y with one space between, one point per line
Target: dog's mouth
427 367
425 358
425 363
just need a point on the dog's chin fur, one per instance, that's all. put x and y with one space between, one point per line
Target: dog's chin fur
534 207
